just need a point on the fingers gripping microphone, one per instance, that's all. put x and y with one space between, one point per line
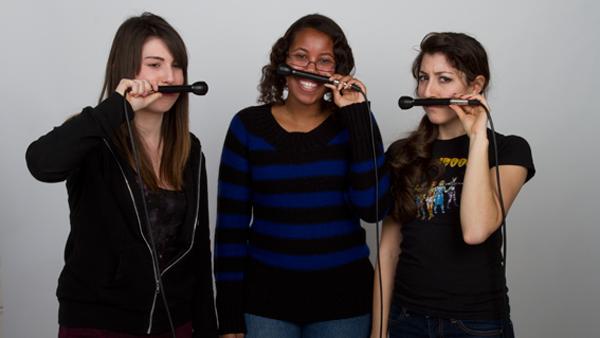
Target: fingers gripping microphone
285 70
407 102
198 88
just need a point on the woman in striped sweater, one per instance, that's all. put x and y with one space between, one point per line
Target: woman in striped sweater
297 175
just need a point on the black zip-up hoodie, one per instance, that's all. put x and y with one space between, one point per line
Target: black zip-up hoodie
108 281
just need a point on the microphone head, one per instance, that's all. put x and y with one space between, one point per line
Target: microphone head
199 88
406 102
284 70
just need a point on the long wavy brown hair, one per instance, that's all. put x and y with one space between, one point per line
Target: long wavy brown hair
124 61
410 159
271 85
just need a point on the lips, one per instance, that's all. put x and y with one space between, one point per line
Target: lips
307 85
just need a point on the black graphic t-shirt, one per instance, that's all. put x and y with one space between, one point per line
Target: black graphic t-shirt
439 274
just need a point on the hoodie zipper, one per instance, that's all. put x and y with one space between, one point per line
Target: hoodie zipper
156 273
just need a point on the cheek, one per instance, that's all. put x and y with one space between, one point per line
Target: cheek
146 75
457 89
141 75
179 76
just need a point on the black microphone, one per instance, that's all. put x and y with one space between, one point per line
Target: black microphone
198 88
407 102
286 70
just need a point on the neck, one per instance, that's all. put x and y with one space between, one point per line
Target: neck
299 111
149 127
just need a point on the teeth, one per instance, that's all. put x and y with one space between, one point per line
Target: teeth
307 84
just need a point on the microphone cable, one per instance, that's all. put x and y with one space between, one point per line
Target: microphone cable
154 255
503 224
377 221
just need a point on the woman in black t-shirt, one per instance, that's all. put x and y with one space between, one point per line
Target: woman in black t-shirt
441 260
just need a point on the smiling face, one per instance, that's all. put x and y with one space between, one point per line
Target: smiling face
158 65
311 51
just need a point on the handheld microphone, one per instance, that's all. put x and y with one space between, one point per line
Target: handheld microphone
198 88
285 70
407 102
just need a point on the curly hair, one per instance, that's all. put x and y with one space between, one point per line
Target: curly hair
271 85
411 164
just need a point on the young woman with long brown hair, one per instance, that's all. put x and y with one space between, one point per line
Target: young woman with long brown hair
121 277
441 259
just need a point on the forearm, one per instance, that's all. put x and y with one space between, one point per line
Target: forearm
366 163
55 155
234 213
388 272
389 254
479 213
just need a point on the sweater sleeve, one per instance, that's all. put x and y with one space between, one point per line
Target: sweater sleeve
204 319
54 156
366 159
234 211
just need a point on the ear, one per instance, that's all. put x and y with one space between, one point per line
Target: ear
477 84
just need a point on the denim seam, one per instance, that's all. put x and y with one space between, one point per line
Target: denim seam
487 333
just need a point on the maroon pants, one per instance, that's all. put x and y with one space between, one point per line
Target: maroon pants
183 331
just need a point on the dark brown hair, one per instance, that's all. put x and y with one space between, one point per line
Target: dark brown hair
272 85
124 61
410 159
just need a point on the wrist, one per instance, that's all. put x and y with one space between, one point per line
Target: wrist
478 140
478 136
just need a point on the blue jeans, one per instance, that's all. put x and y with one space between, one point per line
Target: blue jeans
405 324
262 327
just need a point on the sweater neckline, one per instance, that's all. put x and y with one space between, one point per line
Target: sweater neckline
318 136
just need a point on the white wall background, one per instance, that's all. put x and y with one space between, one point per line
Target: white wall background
545 74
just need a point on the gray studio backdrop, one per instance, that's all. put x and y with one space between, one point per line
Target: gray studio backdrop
545 74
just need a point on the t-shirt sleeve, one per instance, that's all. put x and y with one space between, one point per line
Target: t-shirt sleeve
514 150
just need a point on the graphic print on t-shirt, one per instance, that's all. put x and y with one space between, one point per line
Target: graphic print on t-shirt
441 195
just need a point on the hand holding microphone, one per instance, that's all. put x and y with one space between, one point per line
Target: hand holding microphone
345 92
474 118
141 93
471 109
407 102
340 85
285 70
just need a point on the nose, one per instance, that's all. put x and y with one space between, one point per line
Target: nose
314 66
427 89
169 75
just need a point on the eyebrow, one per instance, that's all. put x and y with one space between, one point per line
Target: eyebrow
155 58
438 73
306 51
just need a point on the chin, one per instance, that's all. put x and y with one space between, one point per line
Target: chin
309 100
161 106
440 115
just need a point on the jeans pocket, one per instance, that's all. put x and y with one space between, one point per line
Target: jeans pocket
398 313
479 328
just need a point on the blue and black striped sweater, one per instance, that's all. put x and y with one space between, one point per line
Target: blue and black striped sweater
289 244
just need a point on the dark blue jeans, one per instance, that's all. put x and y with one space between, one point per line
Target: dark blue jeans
405 324
262 327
